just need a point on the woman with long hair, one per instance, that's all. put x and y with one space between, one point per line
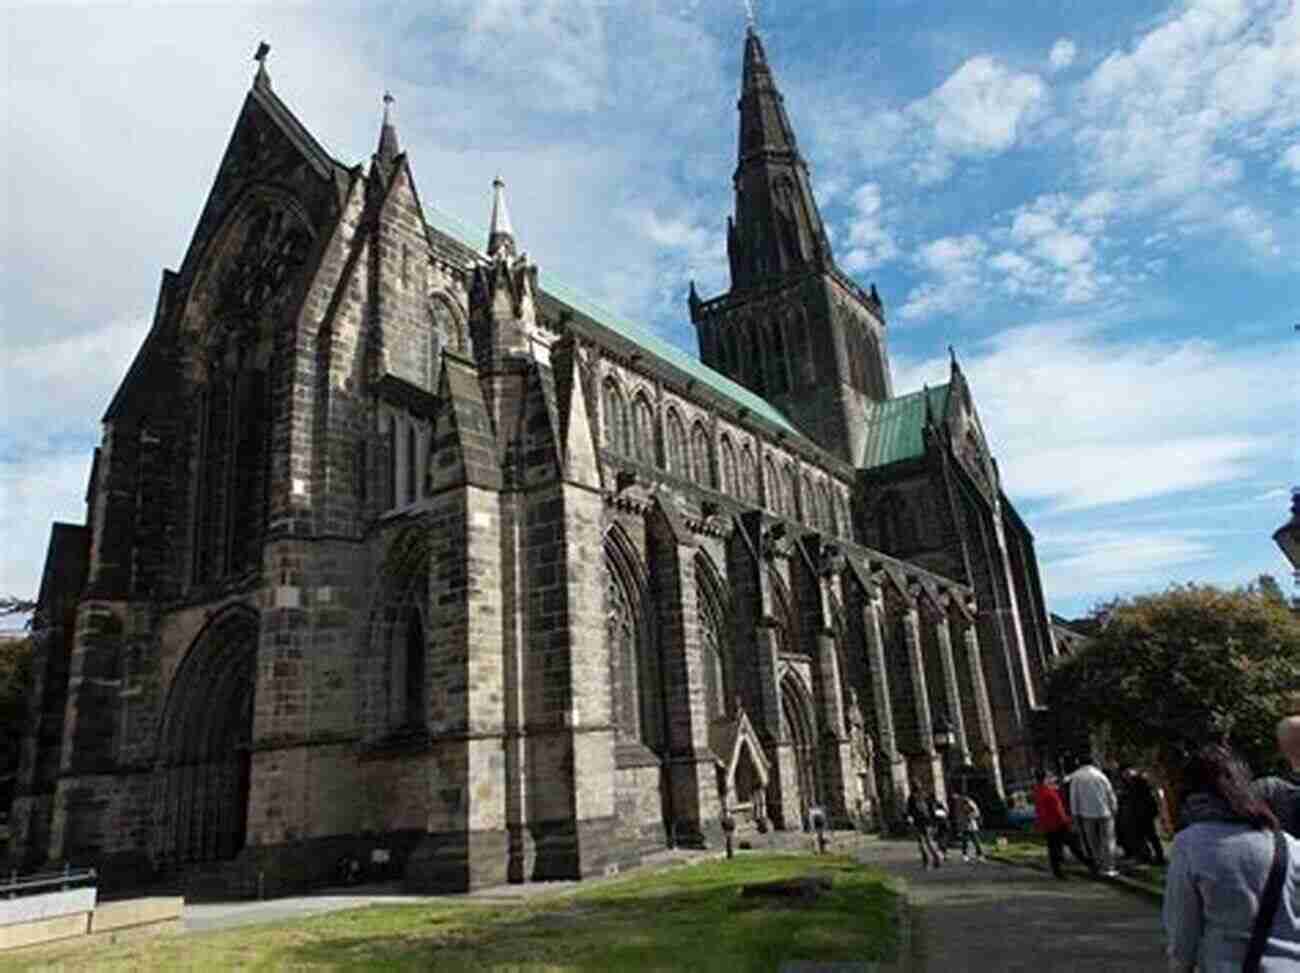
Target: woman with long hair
1220 867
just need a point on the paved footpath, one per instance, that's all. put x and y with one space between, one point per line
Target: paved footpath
996 918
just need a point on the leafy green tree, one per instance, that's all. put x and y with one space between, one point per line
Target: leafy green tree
15 683
1165 673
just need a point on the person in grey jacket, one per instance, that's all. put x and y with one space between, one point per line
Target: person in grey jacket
1282 793
1219 866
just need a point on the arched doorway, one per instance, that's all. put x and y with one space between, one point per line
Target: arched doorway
796 713
203 768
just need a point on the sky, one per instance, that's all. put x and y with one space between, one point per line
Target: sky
1094 203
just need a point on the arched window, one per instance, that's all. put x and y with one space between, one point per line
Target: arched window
896 524
701 468
825 510
780 381
807 502
789 488
393 445
748 476
719 671
677 461
733 354
758 365
416 651
772 485
412 462
643 423
845 518
616 424
444 333
634 675
729 473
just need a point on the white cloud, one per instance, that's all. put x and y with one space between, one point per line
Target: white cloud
1081 563
954 265
1290 161
982 107
1175 118
561 41
1062 54
1080 419
38 488
870 244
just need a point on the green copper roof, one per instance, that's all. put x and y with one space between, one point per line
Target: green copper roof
894 426
652 343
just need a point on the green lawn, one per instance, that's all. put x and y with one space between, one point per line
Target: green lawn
688 917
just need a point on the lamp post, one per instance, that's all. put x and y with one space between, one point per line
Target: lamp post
1287 537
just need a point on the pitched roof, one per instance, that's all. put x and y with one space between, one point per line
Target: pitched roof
665 351
894 426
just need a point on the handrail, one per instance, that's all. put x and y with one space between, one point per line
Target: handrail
38 880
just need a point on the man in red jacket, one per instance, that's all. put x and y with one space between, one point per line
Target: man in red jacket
1052 820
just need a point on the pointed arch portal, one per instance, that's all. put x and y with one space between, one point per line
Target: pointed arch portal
203 771
796 713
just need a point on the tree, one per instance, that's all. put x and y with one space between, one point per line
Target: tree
10 605
15 684
1166 673
1266 585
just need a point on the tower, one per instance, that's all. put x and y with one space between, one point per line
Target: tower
793 327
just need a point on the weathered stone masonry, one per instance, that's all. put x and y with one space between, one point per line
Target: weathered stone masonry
390 549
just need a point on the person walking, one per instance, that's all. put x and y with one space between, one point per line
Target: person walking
918 816
1092 800
1053 822
966 819
1126 819
940 819
1282 793
1231 898
1145 811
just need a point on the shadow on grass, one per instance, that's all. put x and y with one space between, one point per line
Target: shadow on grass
688 918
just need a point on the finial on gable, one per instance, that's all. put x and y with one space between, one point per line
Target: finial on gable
262 78
501 235
388 147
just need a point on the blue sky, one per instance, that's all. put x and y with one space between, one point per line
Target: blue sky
1094 203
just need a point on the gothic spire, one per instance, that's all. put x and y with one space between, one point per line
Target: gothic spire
764 125
388 148
777 228
501 236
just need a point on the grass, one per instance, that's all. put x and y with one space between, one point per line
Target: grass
1031 849
682 918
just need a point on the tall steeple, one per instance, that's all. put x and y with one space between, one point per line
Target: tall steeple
793 327
777 227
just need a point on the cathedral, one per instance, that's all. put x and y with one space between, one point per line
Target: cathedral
395 550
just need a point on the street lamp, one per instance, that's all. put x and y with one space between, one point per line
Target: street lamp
1287 537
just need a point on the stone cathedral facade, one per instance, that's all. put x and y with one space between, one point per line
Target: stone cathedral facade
394 546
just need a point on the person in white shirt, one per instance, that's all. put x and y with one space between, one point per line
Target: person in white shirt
1093 803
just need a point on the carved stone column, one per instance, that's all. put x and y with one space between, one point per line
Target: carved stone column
835 751
988 737
872 612
951 685
933 770
690 763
